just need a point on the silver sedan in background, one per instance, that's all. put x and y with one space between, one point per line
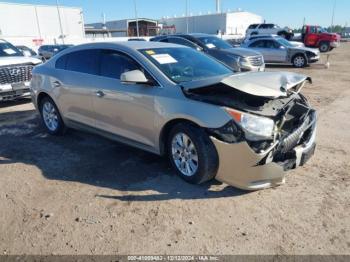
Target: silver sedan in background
277 50
243 129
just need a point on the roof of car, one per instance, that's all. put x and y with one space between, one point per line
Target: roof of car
200 35
136 45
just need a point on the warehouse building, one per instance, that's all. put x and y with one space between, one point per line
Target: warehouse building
229 23
40 23
124 28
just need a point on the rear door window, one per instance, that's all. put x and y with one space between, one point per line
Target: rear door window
61 62
84 61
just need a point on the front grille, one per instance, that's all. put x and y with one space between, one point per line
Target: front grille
15 74
256 60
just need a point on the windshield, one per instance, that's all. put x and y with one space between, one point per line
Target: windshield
321 30
185 64
6 49
214 42
284 42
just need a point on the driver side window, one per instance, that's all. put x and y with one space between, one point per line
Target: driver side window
272 44
113 64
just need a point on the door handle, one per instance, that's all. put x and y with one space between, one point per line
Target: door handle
100 93
56 83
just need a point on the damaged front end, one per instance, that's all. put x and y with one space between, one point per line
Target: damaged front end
267 134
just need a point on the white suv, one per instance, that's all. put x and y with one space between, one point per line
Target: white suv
15 72
269 29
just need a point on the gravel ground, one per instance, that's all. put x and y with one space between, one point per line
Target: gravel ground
82 194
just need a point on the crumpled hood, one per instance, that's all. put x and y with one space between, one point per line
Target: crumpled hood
16 60
264 84
239 51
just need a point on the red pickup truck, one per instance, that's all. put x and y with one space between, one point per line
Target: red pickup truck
316 36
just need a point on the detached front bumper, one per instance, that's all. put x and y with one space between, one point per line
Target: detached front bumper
241 167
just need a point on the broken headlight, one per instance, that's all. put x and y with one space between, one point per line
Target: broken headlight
256 128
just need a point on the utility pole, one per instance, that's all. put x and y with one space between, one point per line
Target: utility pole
137 20
187 16
334 6
60 21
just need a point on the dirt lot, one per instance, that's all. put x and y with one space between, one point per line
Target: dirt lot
81 194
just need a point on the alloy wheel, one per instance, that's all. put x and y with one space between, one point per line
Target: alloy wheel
299 61
184 154
50 116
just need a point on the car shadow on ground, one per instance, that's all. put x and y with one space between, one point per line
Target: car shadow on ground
20 101
88 159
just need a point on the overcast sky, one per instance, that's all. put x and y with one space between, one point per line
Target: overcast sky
283 12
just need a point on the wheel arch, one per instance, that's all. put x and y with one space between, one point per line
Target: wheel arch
297 54
40 98
165 131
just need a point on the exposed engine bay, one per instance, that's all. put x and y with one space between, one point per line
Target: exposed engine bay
293 117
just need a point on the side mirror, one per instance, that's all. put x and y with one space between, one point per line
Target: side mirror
134 76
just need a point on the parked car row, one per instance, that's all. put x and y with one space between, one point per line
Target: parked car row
272 29
239 59
277 50
253 53
243 128
311 36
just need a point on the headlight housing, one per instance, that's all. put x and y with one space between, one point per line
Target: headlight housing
244 62
256 128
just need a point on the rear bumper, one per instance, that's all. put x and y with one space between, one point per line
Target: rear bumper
241 167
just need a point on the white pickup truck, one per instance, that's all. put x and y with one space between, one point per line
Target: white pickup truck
15 72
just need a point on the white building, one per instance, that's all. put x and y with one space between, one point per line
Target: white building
230 23
123 28
25 24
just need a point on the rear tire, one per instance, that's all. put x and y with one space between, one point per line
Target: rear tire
192 154
51 118
299 61
325 47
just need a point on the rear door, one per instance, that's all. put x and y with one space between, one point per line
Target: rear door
76 78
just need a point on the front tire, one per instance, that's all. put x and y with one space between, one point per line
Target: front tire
299 61
51 118
325 47
192 153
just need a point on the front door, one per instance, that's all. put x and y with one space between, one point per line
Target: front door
126 110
